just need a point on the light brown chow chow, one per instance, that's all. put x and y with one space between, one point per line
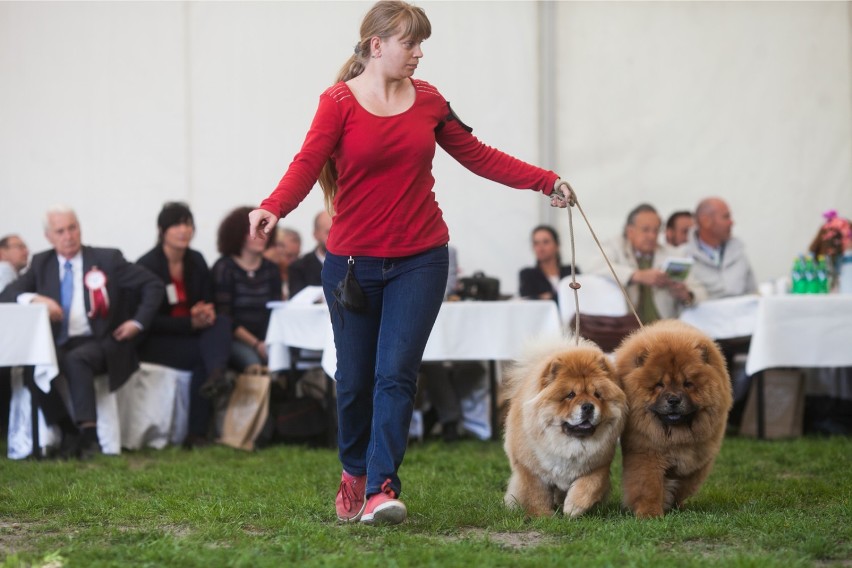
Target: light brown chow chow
679 394
565 415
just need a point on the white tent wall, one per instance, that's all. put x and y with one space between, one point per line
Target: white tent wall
670 102
92 114
115 108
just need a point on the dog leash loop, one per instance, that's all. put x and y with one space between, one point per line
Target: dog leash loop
574 285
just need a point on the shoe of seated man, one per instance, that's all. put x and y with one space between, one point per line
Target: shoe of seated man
69 446
88 446
384 508
351 500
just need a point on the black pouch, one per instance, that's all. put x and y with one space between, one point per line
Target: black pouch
480 287
348 292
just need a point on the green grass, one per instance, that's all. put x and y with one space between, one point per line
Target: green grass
781 503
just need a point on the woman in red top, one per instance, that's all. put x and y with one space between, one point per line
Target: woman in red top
371 146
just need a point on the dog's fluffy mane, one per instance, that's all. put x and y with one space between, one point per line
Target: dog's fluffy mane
535 355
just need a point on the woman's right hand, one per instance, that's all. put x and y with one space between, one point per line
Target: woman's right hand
261 223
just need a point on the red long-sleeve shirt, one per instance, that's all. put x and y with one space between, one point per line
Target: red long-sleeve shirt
384 204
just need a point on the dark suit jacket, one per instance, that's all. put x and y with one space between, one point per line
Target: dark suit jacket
534 282
197 280
124 280
307 271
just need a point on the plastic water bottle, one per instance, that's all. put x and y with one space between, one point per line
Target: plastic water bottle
811 285
797 276
821 286
846 273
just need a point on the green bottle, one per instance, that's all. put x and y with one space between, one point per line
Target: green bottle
797 277
811 284
821 276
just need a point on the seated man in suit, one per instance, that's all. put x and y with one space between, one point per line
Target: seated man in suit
86 290
14 257
307 271
637 258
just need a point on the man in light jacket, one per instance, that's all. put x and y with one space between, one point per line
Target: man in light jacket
638 258
721 264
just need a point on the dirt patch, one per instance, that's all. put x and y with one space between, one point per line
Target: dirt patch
252 530
512 540
136 462
16 536
177 531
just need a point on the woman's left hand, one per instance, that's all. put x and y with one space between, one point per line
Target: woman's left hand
563 195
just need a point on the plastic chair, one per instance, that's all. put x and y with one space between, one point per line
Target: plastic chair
598 296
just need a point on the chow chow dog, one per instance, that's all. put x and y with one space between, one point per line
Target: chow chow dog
565 415
679 394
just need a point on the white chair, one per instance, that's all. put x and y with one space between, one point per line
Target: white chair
598 296
20 440
153 406
109 426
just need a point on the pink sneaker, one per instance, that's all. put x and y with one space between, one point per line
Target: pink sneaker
350 500
384 508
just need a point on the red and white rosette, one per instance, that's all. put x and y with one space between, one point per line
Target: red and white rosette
95 282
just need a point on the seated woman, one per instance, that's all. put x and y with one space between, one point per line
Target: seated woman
186 333
244 281
541 282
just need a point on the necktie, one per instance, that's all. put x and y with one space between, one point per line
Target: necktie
647 309
66 293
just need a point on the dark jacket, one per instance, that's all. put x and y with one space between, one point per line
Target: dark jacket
534 282
197 281
125 283
306 271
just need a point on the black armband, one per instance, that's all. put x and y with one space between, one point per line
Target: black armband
451 115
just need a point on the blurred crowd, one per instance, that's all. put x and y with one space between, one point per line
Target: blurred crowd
171 307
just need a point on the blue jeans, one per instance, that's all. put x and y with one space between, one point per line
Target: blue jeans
378 355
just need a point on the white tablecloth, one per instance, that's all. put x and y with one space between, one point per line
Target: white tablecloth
26 339
805 330
725 318
296 325
463 331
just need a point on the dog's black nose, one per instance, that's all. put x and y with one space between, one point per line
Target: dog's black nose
673 400
587 408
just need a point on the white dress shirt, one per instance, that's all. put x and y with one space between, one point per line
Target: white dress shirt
78 321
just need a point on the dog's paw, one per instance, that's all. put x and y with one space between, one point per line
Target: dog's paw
573 509
648 511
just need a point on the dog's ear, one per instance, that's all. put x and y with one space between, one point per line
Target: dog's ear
606 366
704 351
551 372
641 357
